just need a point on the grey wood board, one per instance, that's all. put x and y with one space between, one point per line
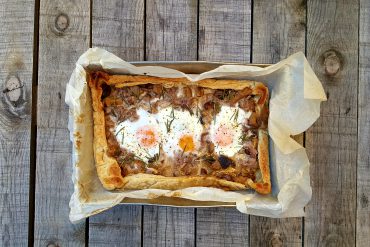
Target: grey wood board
63 37
332 50
278 31
222 227
224 30
168 226
16 61
363 156
224 35
118 26
120 226
171 30
171 34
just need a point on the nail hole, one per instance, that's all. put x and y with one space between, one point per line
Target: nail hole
347 110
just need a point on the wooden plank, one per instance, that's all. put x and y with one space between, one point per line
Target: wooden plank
118 26
16 60
278 31
64 35
171 30
224 30
116 227
167 226
363 156
332 49
224 35
222 227
171 35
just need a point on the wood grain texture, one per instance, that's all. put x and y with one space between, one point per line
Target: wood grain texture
363 156
16 60
120 225
171 30
278 31
171 35
224 35
332 50
118 26
167 226
222 227
63 37
224 30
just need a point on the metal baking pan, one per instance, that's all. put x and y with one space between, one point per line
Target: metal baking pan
188 67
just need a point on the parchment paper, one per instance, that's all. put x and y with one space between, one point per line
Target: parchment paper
296 94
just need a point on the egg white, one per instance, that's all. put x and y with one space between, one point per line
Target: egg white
126 135
171 124
231 118
183 123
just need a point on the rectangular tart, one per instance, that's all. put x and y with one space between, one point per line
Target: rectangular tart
171 133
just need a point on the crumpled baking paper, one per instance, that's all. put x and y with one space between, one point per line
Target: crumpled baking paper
296 94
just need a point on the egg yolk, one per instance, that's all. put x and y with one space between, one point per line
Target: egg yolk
147 136
224 136
186 143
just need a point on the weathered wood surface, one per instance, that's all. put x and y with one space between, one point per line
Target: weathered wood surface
278 32
64 35
337 48
118 26
16 57
171 30
116 227
224 30
222 227
332 49
224 35
167 226
363 155
171 34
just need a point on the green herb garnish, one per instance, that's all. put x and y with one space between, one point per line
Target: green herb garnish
169 122
243 138
123 133
183 151
216 109
209 159
155 157
235 115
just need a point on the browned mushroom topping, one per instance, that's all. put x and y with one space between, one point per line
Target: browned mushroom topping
225 161
240 94
122 104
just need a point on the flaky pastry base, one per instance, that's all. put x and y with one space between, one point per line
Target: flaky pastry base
108 169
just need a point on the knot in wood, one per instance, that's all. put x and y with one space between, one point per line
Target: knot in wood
13 88
61 22
332 62
14 96
276 240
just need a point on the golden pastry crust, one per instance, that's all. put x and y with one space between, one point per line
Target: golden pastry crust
150 181
263 187
108 169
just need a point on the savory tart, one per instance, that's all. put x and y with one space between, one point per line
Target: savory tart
171 133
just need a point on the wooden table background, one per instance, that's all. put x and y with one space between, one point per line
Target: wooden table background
39 44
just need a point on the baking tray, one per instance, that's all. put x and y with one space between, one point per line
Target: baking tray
187 67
